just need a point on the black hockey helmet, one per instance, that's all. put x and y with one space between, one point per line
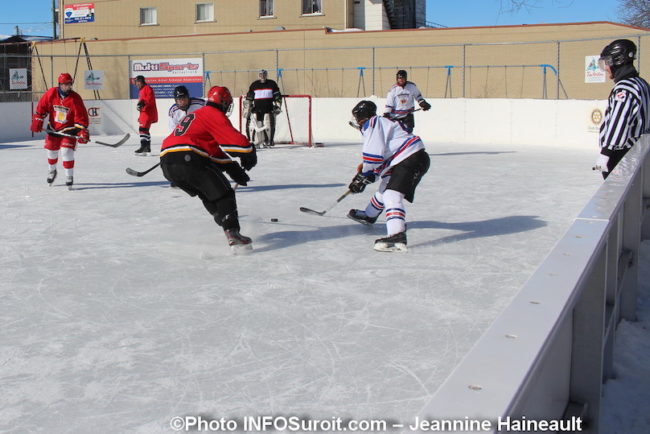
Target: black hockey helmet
181 92
140 78
619 52
401 74
364 110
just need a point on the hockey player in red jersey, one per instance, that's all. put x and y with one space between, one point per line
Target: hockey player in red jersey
148 114
193 158
67 114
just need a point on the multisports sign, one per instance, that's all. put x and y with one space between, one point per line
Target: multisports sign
163 75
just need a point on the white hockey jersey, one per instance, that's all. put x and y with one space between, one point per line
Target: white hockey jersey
176 114
385 144
400 101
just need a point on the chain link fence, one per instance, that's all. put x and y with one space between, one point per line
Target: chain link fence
536 69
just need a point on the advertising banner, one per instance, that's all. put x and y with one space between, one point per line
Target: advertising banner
94 80
163 75
79 13
593 74
17 78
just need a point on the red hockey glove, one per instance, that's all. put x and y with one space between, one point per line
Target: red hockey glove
83 136
37 123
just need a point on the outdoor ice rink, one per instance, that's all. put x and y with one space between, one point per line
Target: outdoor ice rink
122 306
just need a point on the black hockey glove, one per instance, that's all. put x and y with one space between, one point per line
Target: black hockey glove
359 182
248 161
236 173
425 105
140 105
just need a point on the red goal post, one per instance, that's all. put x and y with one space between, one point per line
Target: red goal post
293 125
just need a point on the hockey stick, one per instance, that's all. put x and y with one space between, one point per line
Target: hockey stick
321 213
112 145
138 174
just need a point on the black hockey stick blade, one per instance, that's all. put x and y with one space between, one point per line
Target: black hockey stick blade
115 145
322 213
138 174
311 211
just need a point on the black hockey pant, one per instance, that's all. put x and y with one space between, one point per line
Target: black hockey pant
198 176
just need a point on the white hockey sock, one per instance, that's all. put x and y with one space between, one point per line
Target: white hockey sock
52 159
67 156
395 212
376 205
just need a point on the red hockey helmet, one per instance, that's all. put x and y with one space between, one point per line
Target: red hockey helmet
65 78
220 97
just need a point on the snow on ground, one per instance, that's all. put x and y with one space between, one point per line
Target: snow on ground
626 399
123 307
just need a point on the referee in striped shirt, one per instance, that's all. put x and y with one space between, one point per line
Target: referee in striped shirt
628 109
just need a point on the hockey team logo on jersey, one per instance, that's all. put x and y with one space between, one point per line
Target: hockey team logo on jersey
61 113
620 96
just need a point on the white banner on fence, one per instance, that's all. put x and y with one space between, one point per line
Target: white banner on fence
17 78
93 80
593 74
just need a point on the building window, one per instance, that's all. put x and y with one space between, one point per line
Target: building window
148 16
205 12
312 7
266 8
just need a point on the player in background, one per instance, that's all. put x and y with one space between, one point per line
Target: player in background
263 98
400 101
183 105
193 158
399 160
148 114
627 116
67 114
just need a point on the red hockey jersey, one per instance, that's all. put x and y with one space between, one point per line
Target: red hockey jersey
207 132
149 112
63 112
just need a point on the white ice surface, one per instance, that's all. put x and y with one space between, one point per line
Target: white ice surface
123 307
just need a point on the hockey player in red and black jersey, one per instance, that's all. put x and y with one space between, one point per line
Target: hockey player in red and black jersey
148 114
627 116
193 158
264 102
66 114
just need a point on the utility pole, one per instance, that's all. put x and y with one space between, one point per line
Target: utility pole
54 19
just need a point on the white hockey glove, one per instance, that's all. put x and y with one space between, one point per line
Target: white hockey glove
601 163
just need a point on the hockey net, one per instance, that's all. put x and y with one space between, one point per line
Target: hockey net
293 125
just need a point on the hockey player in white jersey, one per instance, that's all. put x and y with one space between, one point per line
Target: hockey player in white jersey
399 160
400 101
184 104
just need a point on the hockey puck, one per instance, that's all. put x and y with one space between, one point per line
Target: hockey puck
274 220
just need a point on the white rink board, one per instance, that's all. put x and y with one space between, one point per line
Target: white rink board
123 308
515 122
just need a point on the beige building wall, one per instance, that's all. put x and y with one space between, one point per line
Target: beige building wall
489 62
121 18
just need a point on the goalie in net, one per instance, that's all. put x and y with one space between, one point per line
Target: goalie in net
292 124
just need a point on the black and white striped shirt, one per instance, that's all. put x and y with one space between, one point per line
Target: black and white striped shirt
627 116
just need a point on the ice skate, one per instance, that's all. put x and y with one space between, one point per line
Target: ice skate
393 243
51 177
69 181
360 216
237 241
143 150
